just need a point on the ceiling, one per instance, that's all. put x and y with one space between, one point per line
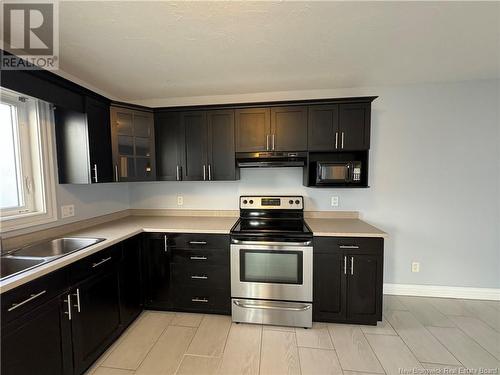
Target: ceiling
145 50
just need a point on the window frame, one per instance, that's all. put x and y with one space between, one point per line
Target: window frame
35 130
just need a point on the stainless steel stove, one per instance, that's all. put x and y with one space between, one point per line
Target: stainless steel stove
271 262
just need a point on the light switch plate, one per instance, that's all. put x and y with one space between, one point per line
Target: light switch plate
180 200
415 267
67 211
335 201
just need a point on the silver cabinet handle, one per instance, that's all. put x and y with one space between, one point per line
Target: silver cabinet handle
177 174
210 172
196 299
31 298
77 295
349 246
165 243
345 265
101 262
267 142
196 277
204 172
116 173
336 140
342 141
352 265
197 258
273 140
68 301
197 242
95 173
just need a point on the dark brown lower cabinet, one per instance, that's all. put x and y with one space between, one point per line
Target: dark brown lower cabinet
348 278
39 342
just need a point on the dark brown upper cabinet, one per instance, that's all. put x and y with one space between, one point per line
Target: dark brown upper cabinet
195 129
339 127
83 142
170 146
133 144
289 128
220 150
253 129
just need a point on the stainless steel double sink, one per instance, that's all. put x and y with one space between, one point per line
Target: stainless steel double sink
28 257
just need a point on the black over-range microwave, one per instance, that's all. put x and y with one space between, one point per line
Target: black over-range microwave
335 172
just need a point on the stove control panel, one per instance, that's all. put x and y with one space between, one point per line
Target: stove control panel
272 202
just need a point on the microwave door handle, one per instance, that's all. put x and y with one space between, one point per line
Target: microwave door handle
348 174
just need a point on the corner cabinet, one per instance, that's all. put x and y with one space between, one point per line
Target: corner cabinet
348 278
133 144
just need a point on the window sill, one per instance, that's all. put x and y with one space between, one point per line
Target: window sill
15 222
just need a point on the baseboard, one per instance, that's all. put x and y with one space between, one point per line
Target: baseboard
442 291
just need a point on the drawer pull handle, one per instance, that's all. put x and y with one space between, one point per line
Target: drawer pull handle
31 298
197 299
196 277
198 258
101 262
197 242
349 246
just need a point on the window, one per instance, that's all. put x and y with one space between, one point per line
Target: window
26 162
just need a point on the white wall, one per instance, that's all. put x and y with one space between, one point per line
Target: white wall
434 176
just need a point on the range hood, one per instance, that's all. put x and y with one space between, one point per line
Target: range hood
270 159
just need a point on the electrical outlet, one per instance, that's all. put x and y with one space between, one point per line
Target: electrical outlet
415 267
67 211
180 200
335 201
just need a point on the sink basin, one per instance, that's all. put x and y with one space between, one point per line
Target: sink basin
55 248
10 266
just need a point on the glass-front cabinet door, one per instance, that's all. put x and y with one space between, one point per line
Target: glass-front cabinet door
133 144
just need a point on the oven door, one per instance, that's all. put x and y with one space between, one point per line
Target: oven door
271 270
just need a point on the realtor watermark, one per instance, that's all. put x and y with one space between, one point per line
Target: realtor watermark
30 35
449 371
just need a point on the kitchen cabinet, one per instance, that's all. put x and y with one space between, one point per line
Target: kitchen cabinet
289 128
348 278
133 144
83 141
170 146
195 130
38 342
339 127
156 271
253 128
271 129
131 296
220 146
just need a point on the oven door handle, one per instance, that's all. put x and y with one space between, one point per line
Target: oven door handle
270 307
271 243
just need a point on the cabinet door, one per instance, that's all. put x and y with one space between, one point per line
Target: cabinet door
122 124
156 271
253 129
364 292
289 128
99 137
39 342
96 323
144 146
323 128
170 146
329 286
221 161
354 126
195 128
130 281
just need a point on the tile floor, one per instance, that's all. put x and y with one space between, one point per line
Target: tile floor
417 334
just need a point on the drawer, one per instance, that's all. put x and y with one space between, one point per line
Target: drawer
360 245
198 241
218 257
203 300
200 275
95 263
25 298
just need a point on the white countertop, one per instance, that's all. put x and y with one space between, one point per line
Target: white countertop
118 230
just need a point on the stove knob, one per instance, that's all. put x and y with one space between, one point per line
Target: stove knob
290 201
297 201
251 201
245 201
